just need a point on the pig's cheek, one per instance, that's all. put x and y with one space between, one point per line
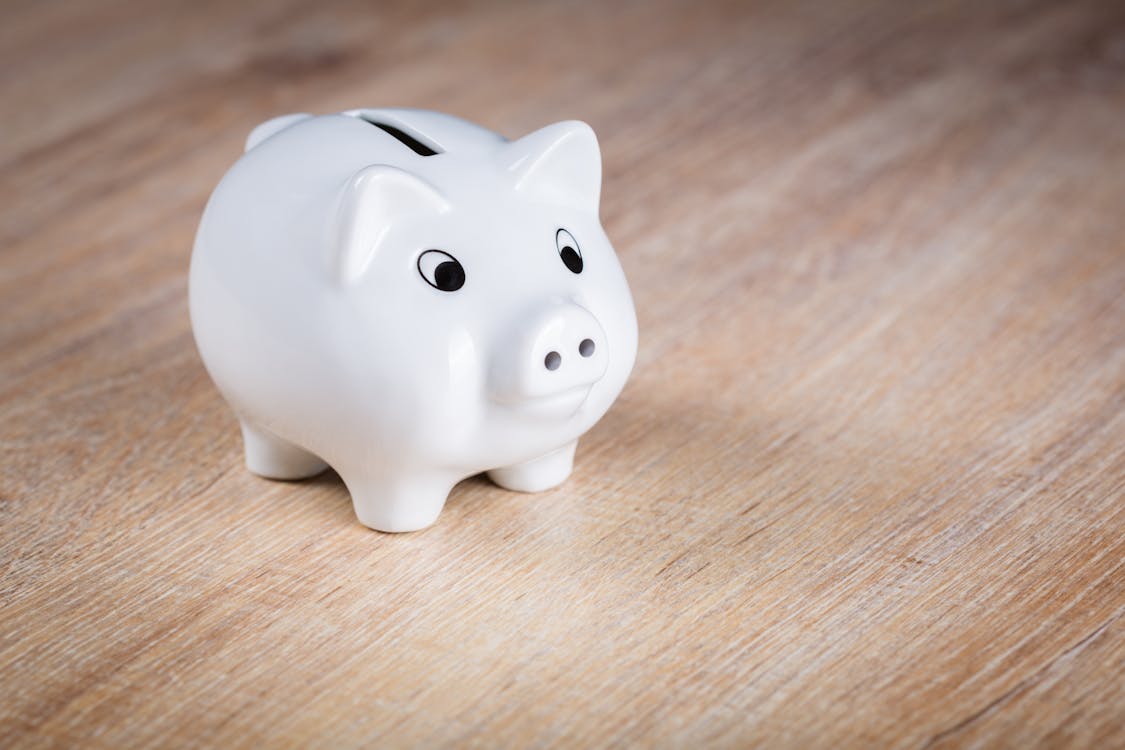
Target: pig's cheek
466 380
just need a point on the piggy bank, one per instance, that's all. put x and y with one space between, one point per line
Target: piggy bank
411 299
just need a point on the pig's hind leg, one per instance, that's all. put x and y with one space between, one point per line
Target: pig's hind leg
539 474
269 456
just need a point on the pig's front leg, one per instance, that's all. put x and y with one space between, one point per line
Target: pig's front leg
538 474
269 456
397 503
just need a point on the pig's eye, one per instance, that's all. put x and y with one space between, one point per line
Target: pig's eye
568 250
441 270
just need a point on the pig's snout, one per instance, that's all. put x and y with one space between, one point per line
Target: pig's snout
555 354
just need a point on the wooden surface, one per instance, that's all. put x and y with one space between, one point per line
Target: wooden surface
866 486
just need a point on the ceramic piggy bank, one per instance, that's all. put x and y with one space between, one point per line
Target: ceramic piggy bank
411 299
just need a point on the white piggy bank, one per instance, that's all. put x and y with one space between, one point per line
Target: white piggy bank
411 299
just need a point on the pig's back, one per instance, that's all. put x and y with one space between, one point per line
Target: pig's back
259 294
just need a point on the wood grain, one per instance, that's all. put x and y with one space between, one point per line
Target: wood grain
866 486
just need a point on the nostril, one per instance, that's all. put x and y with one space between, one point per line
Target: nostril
586 348
552 360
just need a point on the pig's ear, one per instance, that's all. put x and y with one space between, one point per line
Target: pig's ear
560 163
373 200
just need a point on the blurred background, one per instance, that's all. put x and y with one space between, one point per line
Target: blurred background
791 141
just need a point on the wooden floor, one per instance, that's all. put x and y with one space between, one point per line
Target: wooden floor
865 487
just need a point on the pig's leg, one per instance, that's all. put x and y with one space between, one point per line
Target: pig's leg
398 503
539 474
269 456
